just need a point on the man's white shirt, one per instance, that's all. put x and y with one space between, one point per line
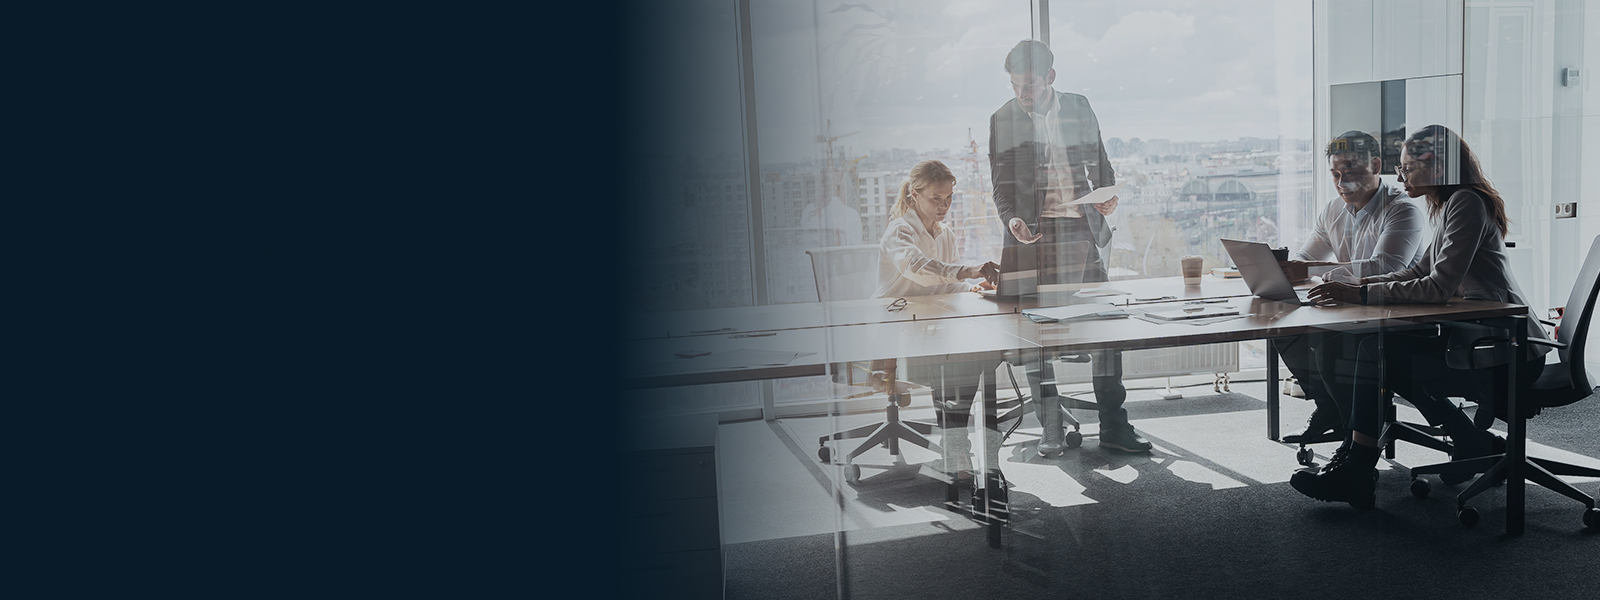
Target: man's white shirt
1384 236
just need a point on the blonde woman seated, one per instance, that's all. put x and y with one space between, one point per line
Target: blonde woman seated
918 257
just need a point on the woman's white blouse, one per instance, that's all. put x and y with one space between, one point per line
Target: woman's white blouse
915 262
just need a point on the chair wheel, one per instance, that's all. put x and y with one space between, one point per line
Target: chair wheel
1420 488
1591 518
1305 457
825 453
852 474
1468 516
1073 439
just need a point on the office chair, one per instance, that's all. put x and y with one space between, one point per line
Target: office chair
1559 384
851 273
1394 429
1015 408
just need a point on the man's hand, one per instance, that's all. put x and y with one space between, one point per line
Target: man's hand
1335 291
1295 270
1020 230
1107 207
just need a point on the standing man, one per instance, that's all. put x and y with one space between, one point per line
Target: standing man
1045 151
1371 229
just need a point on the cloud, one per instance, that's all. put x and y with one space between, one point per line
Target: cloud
978 54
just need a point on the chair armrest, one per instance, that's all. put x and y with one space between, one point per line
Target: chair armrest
1550 343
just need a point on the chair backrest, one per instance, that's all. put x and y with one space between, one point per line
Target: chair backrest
845 272
1575 317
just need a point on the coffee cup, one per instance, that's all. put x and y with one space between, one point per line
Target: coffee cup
1193 266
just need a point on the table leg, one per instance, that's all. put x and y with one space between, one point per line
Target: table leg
994 493
1272 391
1516 437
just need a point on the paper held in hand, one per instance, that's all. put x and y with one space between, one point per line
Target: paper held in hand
1095 197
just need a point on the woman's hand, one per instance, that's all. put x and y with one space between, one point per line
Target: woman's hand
990 273
1335 291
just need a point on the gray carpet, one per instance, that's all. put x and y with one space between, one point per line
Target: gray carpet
1161 536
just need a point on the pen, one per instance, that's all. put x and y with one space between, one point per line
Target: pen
751 335
1215 301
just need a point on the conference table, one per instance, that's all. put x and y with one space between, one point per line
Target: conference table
679 348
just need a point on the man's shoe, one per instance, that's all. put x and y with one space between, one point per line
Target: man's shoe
1352 479
1050 448
1124 438
1471 446
1323 420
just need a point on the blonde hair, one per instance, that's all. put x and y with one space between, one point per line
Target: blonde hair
926 173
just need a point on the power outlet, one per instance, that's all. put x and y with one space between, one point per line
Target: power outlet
1566 210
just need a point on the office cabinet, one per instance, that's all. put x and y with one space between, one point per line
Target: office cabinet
669 515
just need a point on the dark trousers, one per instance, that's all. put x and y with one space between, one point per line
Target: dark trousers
1109 393
1068 255
1323 363
1414 367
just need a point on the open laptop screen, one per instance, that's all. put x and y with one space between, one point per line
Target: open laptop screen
1024 268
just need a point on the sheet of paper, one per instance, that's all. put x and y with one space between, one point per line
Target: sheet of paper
1060 208
1098 292
1073 311
1206 321
1097 196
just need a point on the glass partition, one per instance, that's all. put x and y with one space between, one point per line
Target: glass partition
889 428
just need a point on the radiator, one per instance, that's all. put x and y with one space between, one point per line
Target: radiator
1205 359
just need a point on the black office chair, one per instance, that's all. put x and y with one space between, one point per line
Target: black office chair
1559 384
1427 436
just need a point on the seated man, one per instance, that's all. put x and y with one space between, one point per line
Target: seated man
1373 228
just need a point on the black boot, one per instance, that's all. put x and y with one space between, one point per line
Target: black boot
1324 419
1339 456
1467 441
1351 477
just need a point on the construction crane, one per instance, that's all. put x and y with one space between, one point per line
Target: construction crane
828 138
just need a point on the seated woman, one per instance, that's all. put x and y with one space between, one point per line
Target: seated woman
917 257
1467 259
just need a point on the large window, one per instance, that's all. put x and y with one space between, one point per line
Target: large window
1205 111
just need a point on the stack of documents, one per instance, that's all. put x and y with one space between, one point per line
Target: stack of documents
1075 311
1193 312
1225 272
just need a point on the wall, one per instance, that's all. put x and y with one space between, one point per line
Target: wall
1506 58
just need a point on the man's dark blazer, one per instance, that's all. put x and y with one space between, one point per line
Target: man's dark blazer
1013 164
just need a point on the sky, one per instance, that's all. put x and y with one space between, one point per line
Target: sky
921 75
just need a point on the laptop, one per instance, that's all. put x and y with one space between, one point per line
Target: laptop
1261 272
1019 272
1023 267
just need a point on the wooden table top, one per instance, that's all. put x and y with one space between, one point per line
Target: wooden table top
805 315
1260 319
965 331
